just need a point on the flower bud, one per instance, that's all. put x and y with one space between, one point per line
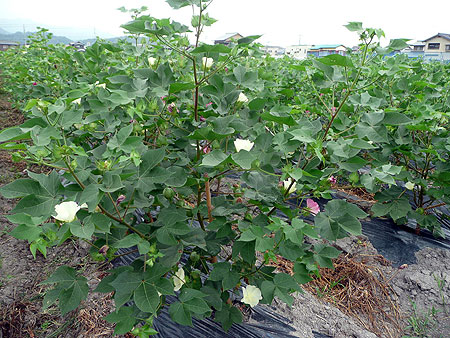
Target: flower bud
207 62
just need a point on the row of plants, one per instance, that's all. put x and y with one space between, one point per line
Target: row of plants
157 125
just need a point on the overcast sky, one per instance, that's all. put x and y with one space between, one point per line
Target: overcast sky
281 22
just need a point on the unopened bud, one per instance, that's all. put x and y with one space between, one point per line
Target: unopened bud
103 250
120 199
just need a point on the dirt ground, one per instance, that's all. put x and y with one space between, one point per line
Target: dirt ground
363 297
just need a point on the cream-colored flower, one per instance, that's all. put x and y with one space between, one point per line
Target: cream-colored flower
286 185
242 98
101 85
252 295
77 101
243 145
409 185
67 211
207 62
151 61
179 279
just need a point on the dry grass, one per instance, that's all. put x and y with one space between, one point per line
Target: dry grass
357 289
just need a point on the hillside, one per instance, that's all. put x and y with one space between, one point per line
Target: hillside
21 37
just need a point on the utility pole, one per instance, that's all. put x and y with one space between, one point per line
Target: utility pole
24 35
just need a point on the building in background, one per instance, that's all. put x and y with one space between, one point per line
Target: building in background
274 51
437 47
298 52
4 45
324 50
228 38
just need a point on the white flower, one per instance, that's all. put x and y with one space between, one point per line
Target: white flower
286 185
252 295
178 279
242 98
101 85
77 101
151 61
207 62
67 211
409 185
243 145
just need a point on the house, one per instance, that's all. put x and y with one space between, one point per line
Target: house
4 45
415 49
435 48
298 52
228 38
324 50
274 51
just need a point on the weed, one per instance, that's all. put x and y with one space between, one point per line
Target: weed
441 283
420 322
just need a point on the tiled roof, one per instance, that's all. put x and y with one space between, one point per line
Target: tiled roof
441 35
226 36
325 46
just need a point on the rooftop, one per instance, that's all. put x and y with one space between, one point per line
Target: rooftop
440 35
325 46
227 36
4 42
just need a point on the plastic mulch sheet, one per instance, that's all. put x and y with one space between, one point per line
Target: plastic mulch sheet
396 243
264 321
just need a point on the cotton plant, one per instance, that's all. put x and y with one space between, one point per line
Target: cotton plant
159 140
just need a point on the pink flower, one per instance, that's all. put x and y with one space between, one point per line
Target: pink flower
226 69
202 119
321 94
206 149
208 104
171 107
34 83
307 111
120 199
332 180
333 109
312 206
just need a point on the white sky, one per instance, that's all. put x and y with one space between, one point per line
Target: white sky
282 22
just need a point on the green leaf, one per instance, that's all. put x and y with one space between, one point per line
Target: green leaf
26 232
21 188
337 60
74 288
396 119
146 298
180 314
178 87
150 159
354 27
257 104
82 231
205 48
280 118
301 274
125 284
13 134
123 318
398 44
244 159
198 306
227 316
214 158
